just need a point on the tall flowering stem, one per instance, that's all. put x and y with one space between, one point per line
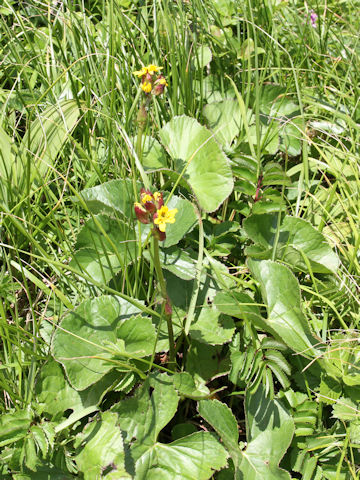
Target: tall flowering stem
152 83
165 299
151 210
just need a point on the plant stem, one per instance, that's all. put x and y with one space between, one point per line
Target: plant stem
164 295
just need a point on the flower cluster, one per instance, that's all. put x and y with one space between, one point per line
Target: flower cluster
313 18
152 82
151 209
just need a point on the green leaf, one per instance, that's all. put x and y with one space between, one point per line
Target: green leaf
221 418
153 154
44 473
81 343
297 239
144 415
100 445
8 174
225 7
281 294
14 426
206 168
215 277
177 261
224 119
115 196
185 220
194 457
190 386
105 246
55 395
207 361
270 430
46 135
202 57
345 409
238 305
248 49
212 327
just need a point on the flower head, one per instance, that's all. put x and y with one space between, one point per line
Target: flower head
313 18
153 69
164 216
150 82
149 70
147 200
141 73
151 209
146 87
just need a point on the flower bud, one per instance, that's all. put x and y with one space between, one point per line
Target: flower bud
168 307
147 200
141 213
159 85
158 234
159 201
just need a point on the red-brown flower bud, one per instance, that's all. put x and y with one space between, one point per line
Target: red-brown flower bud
159 85
147 200
159 201
158 234
141 213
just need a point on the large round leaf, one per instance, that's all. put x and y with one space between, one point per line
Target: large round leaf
84 332
206 168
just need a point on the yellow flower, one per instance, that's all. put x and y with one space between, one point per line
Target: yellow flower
150 69
153 69
164 216
141 73
146 198
162 81
157 196
146 86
